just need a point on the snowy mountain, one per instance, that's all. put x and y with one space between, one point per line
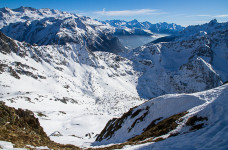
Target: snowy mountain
23 14
64 84
74 81
47 27
198 31
143 28
129 24
184 65
177 119
167 28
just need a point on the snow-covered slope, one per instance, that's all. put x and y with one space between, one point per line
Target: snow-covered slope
23 14
188 65
203 125
214 133
46 27
71 89
143 28
203 30
9 146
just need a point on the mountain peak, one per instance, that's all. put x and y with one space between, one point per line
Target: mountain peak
134 21
5 9
22 9
213 22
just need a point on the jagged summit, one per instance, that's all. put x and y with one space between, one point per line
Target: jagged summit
203 30
212 22
134 22
22 9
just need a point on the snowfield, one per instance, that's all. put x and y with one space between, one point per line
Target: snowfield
8 146
212 136
72 90
211 104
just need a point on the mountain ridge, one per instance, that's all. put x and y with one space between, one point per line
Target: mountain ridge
145 28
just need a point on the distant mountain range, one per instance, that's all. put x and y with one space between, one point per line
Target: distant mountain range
135 27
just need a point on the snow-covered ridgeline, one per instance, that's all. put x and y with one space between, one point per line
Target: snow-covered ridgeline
23 14
187 65
135 27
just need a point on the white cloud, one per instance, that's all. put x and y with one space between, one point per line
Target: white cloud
203 15
215 16
128 12
221 16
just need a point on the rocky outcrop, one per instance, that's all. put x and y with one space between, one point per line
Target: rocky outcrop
22 129
6 44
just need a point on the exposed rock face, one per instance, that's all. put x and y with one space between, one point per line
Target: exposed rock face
17 123
6 44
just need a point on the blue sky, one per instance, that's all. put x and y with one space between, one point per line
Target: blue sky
183 12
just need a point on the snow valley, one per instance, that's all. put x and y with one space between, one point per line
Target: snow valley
75 76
